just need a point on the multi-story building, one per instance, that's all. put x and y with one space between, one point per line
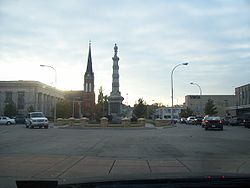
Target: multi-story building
165 112
27 95
242 104
197 103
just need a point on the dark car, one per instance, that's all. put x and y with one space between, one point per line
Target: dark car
20 119
198 121
235 121
213 122
246 120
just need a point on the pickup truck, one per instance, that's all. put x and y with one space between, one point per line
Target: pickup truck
36 119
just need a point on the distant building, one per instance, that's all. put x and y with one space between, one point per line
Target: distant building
197 103
83 101
165 112
89 86
242 104
29 94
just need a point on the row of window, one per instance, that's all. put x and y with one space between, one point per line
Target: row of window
20 98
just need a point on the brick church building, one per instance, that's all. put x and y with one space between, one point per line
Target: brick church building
84 100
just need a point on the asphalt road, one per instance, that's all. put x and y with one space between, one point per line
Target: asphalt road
66 153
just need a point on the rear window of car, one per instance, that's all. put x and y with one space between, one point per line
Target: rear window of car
213 118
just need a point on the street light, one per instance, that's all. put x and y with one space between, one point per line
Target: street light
172 90
192 83
55 90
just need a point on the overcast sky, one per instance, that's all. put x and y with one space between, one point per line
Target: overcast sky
152 37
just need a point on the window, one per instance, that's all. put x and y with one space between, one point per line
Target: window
20 100
8 97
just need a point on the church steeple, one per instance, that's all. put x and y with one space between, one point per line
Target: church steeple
89 65
89 74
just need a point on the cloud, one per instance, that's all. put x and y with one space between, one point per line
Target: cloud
213 36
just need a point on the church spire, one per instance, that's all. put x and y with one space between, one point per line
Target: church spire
89 65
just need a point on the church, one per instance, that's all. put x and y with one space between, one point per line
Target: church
83 101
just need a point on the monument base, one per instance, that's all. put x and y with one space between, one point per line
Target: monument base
116 119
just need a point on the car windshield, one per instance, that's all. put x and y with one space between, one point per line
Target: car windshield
123 88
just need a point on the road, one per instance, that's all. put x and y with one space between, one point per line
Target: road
67 153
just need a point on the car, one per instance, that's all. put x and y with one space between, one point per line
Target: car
183 121
20 118
190 119
4 120
226 120
246 120
213 122
198 121
36 119
235 121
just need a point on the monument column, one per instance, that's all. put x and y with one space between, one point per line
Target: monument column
115 99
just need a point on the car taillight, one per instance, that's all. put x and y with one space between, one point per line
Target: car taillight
206 121
221 121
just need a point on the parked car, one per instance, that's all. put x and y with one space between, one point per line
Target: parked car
213 122
226 120
20 118
4 120
246 120
198 121
183 120
235 121
190 119
36 119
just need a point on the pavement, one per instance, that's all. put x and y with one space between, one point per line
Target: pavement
66 154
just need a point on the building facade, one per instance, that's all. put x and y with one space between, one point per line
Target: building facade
88 99
165 112
27 95
83 101
197 103
242 105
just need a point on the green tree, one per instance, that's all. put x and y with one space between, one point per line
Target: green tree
140 109
30 108
10 109
210 108
151 109
186 112
63 109
101 109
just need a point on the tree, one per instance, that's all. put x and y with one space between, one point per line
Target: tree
210 108
101 109
151 109
30 108
63 109
140 109
10 109
186 112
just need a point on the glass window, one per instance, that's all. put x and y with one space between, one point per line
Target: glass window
8 97
20 100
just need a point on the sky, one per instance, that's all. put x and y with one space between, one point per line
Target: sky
153 37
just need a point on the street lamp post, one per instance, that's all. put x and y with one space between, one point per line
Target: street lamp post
193 83
172 90
55 90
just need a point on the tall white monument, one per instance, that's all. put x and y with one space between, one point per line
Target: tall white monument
115 99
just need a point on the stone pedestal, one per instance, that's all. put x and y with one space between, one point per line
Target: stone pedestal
84 121
162 122
125 122
104 122
59 121
141 121
71 121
